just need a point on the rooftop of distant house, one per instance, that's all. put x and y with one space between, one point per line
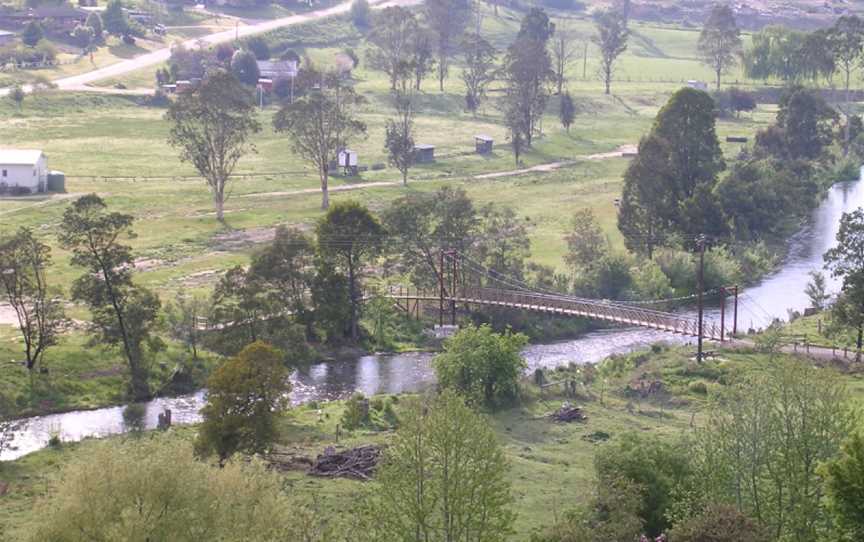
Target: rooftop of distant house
20 157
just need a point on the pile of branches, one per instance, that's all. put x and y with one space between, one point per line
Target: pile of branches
568 413
356 463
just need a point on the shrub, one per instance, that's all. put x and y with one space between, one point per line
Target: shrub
133 417
117 491
655 466
356 413
698 387
649 281
679 267
718 523
482 365
721 269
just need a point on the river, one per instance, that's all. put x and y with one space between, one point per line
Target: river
771 298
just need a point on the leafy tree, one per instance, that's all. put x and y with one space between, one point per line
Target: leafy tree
763 442
479 69
94 22
32 33
331 300
844 487
845 40
245 67
718 523
347 235
360 12
720 41
423 225
422 55
184 318
123 313
258 47
655 466
502 242
447 19
805 121
391 39
611 38
240 311
399 134
83 37
24 286
567 111
283 271
527 71
244 396
17 95
481 365
442 478
114 19
668 186
564 53
536 26
318 126
610 277
154 489
211 127
846 261
816 291
586 243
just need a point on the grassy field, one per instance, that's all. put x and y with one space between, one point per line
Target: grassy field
551 464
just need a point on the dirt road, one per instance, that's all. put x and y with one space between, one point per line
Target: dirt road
82 81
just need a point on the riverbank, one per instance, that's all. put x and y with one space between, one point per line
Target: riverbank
661 391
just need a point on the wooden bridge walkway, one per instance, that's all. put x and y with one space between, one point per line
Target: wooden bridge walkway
602 310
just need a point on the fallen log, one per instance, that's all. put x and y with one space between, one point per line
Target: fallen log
568 413
356 463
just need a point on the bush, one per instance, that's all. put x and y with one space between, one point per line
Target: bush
134 417
119 490
612 276
649 281
721 269
482 365
653 465
698 387
718 523
679 266
356 413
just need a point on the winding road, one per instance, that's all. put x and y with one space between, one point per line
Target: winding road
82 82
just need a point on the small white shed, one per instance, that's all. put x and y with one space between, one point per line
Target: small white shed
23 169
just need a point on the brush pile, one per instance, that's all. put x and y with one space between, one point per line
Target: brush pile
356 463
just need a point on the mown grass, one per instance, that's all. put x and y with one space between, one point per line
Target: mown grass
551 464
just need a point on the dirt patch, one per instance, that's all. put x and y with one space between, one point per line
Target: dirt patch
235 240
147 264
7 315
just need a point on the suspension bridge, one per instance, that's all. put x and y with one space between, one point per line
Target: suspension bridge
462 283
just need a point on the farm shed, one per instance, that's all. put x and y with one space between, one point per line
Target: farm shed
23 170
424 153
483 144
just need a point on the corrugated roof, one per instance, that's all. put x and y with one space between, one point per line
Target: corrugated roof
19 156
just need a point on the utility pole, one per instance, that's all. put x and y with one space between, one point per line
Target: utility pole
700 244
735 313
722 313
441 289
453 271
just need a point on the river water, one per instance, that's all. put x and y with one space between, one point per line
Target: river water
772 298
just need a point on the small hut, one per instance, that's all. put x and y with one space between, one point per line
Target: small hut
483 144
348 162
424 153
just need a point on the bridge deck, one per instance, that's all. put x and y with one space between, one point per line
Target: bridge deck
569 306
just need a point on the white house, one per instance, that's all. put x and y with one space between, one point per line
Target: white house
23 169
